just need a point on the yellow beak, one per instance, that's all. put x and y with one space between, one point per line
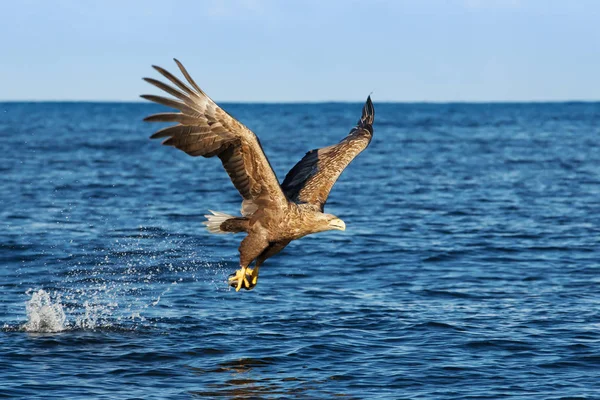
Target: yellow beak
337 224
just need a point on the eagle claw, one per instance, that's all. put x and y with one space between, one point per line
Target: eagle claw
242 278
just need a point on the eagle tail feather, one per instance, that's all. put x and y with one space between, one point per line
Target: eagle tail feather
220 222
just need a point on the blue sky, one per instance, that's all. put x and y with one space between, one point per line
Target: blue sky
276 50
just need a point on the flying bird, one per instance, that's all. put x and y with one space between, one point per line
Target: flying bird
272 215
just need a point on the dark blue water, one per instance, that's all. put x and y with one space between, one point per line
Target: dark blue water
470 267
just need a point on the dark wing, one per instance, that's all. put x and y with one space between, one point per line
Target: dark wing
204 129
311 180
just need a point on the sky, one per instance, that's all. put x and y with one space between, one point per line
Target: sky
304 50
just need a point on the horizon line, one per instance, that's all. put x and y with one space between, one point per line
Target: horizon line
291 102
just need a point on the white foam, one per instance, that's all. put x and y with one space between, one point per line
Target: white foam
43 314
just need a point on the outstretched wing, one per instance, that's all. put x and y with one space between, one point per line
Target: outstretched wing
311 180
204 129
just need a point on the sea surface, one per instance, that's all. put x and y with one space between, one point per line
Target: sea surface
470 267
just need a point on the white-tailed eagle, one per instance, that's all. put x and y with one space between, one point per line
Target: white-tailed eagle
272 215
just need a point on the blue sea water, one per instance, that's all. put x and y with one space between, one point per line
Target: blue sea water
470 267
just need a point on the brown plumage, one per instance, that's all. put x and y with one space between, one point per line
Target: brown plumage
272 215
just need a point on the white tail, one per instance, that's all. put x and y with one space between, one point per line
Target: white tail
213 222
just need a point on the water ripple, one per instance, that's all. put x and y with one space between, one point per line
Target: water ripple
469 269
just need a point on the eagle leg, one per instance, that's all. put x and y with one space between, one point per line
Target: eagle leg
252 273
250 248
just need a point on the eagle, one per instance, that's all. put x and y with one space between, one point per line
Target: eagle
272 214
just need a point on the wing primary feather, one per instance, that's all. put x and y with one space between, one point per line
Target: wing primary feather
173 92
368 116
188 77
175 80
170 103
172 117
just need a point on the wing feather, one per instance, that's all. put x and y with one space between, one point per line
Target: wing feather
312 178
173 92
204 129
171 117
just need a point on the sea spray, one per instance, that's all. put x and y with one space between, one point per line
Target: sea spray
43 313
123 287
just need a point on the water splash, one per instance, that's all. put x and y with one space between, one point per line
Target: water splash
94 316
125 287
44 314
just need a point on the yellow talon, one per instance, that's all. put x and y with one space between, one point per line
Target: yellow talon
254 274
239 279
244 278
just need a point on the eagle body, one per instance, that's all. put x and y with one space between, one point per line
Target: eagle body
291 222
272 214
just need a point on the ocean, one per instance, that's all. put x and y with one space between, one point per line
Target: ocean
469 269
